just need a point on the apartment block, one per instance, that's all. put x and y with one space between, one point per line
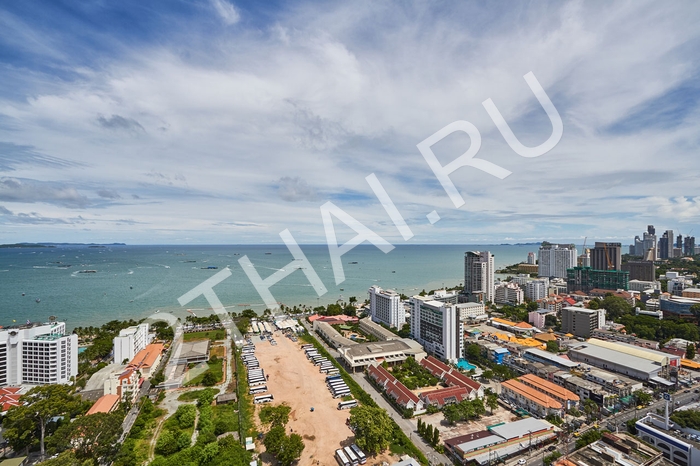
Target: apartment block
580 321
386 308
437 326
129 342
37 354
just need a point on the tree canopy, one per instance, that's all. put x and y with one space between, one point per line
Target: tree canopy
373 428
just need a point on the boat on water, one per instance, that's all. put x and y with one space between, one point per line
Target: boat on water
211 267
268 253
87 271
353 262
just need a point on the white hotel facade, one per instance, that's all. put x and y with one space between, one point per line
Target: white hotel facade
385 307
37 355
438 327
130 341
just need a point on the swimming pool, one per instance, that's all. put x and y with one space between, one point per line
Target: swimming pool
464 365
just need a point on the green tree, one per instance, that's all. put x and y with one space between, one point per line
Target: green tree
594 304
209 379
451 413
373 428
487 374
553 346
40 405
436 437
492 401
94 437
532 306
291 450
690 351
473 352
642 397
167 443
186 415
275 415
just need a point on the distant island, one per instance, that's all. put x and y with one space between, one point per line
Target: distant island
25 245
53 245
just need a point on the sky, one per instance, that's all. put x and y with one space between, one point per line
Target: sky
219 122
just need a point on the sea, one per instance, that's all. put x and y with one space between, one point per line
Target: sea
86 285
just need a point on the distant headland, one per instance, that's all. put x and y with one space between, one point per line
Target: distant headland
53 245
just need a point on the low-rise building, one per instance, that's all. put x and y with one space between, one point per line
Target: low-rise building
371 328
603 334
395 389
124 384
452 377
497 443
509 293
146 361
360 356
674 444
567 398
330 335
545 357
445 396
614 448
585 389
530 399
105 404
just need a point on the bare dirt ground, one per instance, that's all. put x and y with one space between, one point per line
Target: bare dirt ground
297 382
461 428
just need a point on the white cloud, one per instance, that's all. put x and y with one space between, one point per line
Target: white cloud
226 11
192 130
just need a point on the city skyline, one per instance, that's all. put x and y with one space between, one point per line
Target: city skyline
220 122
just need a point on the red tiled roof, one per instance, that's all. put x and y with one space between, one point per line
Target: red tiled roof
393 387
435 366
457 378
9 397
441 395
532 394
380 375
523 325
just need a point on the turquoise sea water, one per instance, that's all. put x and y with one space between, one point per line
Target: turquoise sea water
134 281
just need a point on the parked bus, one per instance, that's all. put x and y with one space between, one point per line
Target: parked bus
327 370
347 404
332 377
307 345
341 458
341 393
257 390
263 399
360 454
351 455
255 383
318 362
335 385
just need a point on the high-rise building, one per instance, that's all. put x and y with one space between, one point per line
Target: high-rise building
689 246
437 326
478 276
531 258
38 354
641 247
130 341
666 245
606 256
640 270
386 308
651 230
585 279
554 259
679 241
580 321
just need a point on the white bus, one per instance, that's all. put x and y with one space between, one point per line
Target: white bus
263 399
347 404
351 455
341 393
318 362
333 372
307 345
257 390
360 454
326 370
256 383
337 385
342 459
332 377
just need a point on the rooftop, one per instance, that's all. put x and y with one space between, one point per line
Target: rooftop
549 387
147 356
606 354
104 404
532 394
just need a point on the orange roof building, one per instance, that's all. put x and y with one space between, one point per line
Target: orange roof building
530 399
104 404
147 359
566 397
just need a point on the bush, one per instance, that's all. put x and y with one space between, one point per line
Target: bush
186 415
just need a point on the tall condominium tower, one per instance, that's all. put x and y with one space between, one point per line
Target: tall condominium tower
478 276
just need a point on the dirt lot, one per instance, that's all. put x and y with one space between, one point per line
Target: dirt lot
294 380
461 428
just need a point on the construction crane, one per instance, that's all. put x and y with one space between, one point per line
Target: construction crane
607 256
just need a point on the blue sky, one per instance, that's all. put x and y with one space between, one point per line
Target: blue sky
227 122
